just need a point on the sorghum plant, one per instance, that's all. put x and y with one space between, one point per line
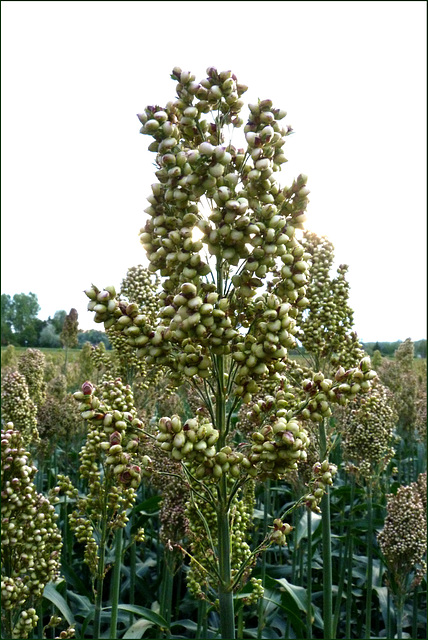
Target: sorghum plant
30 540
18 407
367 425
399 376
221 328
326 324
32 366
403 541
59 422
112 468
9 358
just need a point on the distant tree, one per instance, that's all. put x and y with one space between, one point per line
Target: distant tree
20 324
94 337
58 320
377 347
49 337
6 319
421 348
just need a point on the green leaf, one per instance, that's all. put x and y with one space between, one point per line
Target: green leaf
382 594
74 580
147 614
302 527
148 507
138 629
299 596
51 594
297 593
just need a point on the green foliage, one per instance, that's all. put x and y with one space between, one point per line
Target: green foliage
49 337
20 324
94 337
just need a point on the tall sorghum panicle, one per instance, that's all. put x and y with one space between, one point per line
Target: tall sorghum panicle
59 422
326 325
142 286
18 407
86 364
110 463
218 328
30 541
400 377
32 366
70 329
367 424
9 357
403 540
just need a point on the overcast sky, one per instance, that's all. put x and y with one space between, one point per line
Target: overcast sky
76 172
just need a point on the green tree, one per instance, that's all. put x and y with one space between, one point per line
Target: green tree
19 319
377 347
94 337
58 320
49 337
6 319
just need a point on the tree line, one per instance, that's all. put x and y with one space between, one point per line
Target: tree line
20 325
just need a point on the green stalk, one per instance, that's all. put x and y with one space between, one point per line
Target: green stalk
369 560
261 617
343 569
202 613
240 630
132 573
388 614
415 613
118 540
227 615
167 587
309 576
326 548
349 563
100 578
400 604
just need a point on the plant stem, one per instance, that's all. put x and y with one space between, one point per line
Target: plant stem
415 613
369 560
227 616
118 538
349 562
100 579
132 573
309 576
261 618
167 587
400 603
202 612
326 547
388 613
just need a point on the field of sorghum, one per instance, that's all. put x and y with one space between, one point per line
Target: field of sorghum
198 481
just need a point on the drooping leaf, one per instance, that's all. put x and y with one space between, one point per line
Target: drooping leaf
302 526
51 594
138 629
145 613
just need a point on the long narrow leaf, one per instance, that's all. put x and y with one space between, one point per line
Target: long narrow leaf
147 614
51 594
138 629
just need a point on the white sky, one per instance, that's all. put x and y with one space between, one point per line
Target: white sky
76 172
